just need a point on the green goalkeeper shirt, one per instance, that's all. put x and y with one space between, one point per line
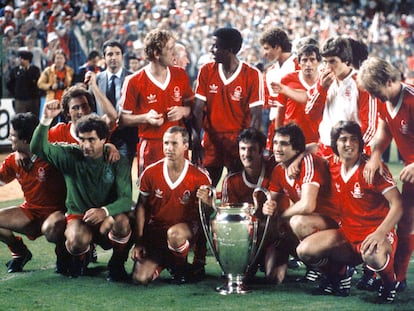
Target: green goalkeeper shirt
90 183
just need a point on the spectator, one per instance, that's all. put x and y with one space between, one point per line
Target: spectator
22 85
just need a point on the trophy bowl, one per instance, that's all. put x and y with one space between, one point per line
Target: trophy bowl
232 235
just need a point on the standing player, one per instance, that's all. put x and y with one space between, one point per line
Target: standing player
156 97
369 213
166 213
383 81
292 91
337 97
229 98
277 50
78 102
98 193
43 188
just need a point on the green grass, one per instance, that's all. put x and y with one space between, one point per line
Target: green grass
39 288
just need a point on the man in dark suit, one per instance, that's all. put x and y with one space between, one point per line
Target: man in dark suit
110 83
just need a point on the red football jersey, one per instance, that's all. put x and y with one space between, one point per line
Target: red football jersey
42 185
315 170
295 112
141 92
228 101
400 121
62 132
237 189
172 202
363 206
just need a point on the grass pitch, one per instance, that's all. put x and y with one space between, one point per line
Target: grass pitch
39 288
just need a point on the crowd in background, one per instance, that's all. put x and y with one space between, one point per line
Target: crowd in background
78 27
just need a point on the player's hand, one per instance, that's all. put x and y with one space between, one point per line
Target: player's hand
176 113
203 194
407 174
277 87
90 78
326 78
269 208
113 154
197 151
294 168
94 216
371 243
138 253
370 168
154 118
22 159
52 109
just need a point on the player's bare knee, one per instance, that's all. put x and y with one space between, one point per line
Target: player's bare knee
121 225
303 250
78 237
54 226
376 260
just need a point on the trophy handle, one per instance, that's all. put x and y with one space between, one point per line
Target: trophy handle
256 252
205 224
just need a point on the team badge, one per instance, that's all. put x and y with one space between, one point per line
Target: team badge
390 237
357 193
298 190
177 94
404 127
185 198
41 175
237 94
108 176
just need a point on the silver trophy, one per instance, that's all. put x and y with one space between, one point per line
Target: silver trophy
232 234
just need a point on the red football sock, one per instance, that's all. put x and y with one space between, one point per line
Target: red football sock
402 256
17 248
180 253
387 273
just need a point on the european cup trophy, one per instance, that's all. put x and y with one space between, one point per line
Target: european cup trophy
232 235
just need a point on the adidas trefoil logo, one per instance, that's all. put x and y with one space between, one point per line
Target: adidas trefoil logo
152 98
158 193
213 88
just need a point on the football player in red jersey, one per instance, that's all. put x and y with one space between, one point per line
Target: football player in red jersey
43 188
383 81
369 213
166 214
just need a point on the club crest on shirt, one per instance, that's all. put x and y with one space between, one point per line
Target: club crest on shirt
108 176
152 98
357 193
158 193
404 127
177 94
41 174
390 237
185 198
298 190
348 92
213 88
237 94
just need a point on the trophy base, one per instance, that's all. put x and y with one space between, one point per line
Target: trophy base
233 287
